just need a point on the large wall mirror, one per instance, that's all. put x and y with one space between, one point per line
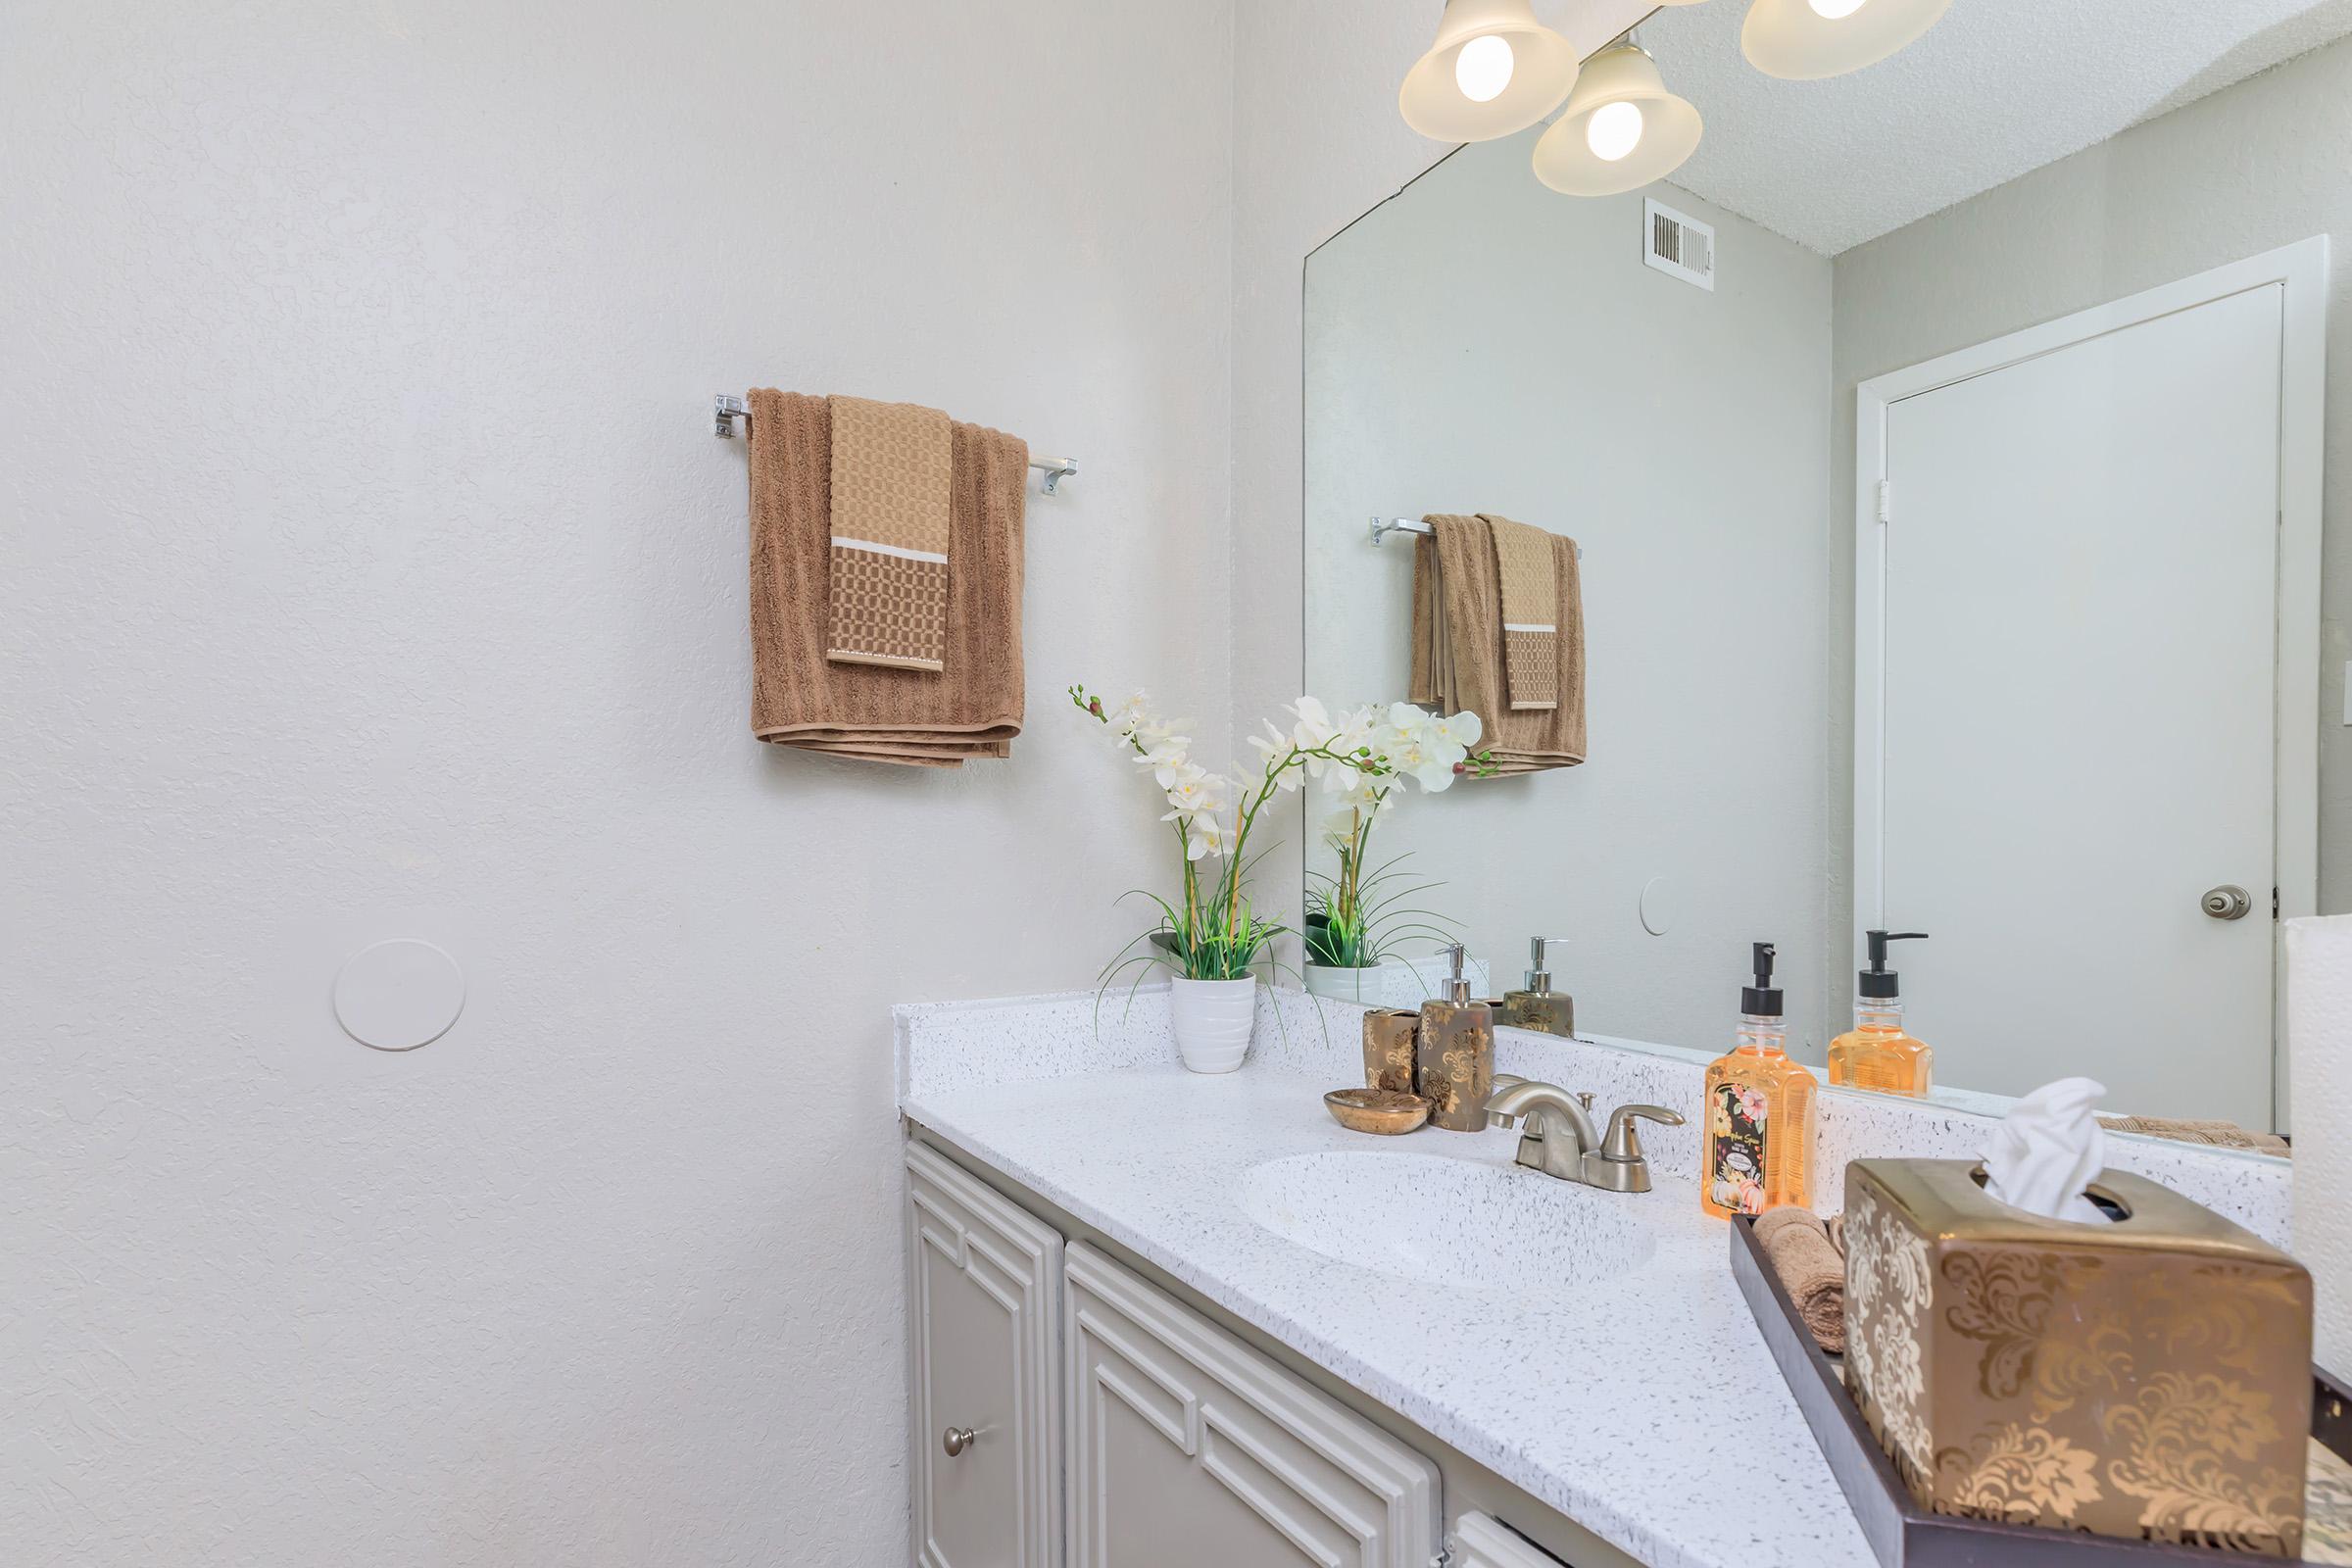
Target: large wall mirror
1948 450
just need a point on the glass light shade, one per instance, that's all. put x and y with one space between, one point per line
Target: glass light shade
1670 128
1794 40
1436 98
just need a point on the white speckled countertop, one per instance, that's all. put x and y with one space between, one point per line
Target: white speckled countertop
1641 1403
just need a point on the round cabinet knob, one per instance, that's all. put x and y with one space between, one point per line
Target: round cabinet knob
957 1439
2229 902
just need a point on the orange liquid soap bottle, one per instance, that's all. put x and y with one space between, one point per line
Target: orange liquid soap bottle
1877 1053
1756 1144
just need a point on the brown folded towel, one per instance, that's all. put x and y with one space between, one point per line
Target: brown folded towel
1531 612
888 588
2217 1134
1812 1273
904 717
1457 650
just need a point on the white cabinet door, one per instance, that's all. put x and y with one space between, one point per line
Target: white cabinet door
982 1316
1186 1448
1478 1540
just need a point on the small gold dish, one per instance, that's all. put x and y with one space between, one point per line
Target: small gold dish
1377 1110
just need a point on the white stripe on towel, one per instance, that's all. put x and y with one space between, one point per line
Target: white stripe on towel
904 554
1508 625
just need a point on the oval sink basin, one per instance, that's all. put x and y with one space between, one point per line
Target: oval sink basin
1458 1223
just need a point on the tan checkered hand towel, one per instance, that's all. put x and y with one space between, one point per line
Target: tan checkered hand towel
888 582
1531 612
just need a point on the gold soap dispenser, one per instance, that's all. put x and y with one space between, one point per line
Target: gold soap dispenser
1454 1069
1537 1006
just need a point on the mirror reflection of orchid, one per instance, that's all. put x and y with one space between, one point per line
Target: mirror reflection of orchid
1355 915
1362 757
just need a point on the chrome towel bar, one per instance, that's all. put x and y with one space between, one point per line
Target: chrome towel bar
726 409
1382 527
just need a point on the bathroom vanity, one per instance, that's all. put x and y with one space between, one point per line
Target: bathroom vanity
1162 1317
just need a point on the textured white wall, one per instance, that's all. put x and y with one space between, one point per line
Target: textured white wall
1479 342
1317 142
370 570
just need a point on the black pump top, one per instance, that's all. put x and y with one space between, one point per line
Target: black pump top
1763 998
1879 983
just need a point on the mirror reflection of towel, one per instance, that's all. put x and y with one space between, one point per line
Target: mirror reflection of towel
1458 659
1531 612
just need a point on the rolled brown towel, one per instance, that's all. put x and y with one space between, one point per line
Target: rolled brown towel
2217 1134
1810 1269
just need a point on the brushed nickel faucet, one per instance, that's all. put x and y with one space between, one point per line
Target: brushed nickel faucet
1558 1137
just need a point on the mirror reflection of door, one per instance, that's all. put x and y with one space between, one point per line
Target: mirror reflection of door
2067 692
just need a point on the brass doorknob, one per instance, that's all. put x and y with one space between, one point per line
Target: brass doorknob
957 1439
2228 902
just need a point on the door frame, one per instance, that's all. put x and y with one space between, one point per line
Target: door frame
2302 271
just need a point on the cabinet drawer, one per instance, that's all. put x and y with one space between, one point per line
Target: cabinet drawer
1187 1447
1480 1540
983 1287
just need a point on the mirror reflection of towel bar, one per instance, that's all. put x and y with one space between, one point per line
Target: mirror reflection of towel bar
726 409
1382 527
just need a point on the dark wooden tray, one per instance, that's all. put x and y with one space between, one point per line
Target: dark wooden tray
1904 1535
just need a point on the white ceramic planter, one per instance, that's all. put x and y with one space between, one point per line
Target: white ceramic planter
1214 1020
1343 985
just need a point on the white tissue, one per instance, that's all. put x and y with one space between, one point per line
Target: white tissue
2047 1149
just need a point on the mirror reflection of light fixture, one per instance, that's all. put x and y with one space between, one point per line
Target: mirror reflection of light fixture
1803 40
1621 129
1493 69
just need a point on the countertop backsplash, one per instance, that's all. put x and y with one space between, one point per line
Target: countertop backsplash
946 1047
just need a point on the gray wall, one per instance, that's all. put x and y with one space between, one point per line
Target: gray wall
1481 343
2256 166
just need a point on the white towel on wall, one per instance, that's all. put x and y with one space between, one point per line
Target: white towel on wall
2318 1044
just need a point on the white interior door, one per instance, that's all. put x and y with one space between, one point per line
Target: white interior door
2078 716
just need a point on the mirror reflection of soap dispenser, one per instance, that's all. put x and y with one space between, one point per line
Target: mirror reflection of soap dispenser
1454 1068
1537 1006
1877 1053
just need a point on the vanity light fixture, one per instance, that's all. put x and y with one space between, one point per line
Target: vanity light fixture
1804 40
1493 69
1621 129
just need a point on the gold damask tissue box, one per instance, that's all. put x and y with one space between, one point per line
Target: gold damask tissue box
2148 1378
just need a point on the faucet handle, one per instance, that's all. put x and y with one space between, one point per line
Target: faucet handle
1623 1142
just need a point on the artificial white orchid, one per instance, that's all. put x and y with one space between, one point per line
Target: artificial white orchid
1358 755
1460 731
1127 718
1170 761
1382 746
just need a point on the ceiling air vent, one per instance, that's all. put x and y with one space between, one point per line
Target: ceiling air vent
1678 245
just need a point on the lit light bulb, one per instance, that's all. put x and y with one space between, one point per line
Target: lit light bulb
1483 66
1835 10
1614 130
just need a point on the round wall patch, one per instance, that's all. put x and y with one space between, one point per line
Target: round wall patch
399 994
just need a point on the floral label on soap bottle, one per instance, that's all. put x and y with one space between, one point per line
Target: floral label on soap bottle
1736 1149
